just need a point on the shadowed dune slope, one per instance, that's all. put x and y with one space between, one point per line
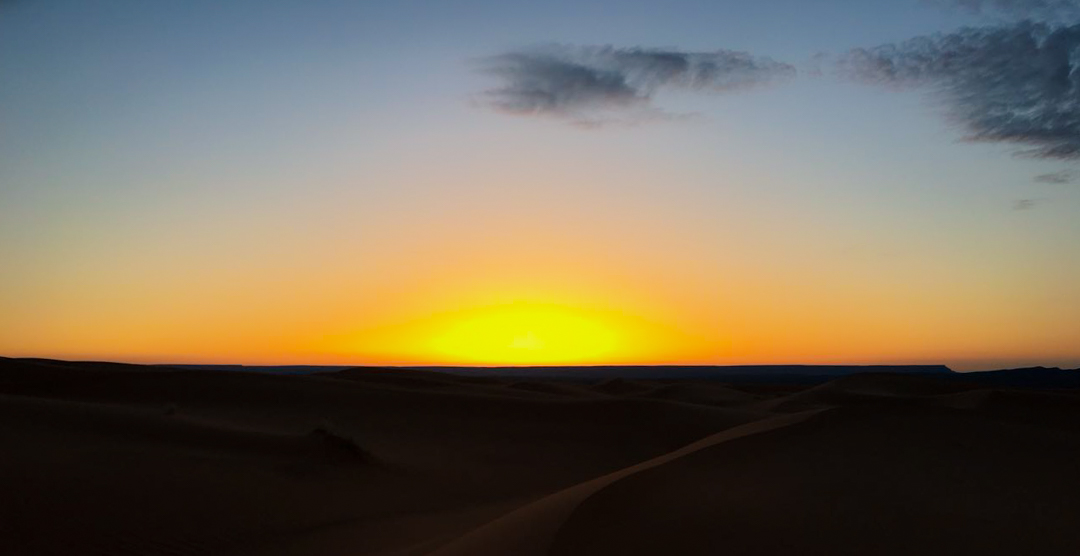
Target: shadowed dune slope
100 460
851 480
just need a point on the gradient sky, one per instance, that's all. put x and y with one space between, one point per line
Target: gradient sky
272 182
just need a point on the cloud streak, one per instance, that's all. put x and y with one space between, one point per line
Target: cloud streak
596 85
1054 10
1023 204
1064 176
1017 85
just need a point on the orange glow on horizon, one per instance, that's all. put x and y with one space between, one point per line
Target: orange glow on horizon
519 333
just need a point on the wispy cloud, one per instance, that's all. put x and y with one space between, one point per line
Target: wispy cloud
1024 9
1023 204
1018 84
1064 176
594 85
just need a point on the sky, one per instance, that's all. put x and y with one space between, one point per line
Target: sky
566 182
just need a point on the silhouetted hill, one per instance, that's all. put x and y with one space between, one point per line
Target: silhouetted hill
283 369
735 373
1031 377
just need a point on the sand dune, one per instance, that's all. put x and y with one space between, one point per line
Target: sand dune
120 459
532 529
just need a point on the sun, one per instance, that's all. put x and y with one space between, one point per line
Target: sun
528 340
518 334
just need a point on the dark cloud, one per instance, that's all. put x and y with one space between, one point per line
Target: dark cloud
1064 176
591 85
1024 9
1016 85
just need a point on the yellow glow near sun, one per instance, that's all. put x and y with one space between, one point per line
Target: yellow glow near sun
522 332
526 334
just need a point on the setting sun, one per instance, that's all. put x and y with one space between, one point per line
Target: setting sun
526 334
521 332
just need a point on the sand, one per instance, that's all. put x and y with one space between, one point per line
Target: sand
123 459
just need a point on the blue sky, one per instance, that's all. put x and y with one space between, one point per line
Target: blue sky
238 135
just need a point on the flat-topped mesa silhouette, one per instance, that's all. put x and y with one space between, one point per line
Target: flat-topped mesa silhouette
1033 377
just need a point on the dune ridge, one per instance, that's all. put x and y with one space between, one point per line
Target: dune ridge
530 530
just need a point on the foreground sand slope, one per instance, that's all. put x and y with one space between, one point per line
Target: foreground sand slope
113 459
99 459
